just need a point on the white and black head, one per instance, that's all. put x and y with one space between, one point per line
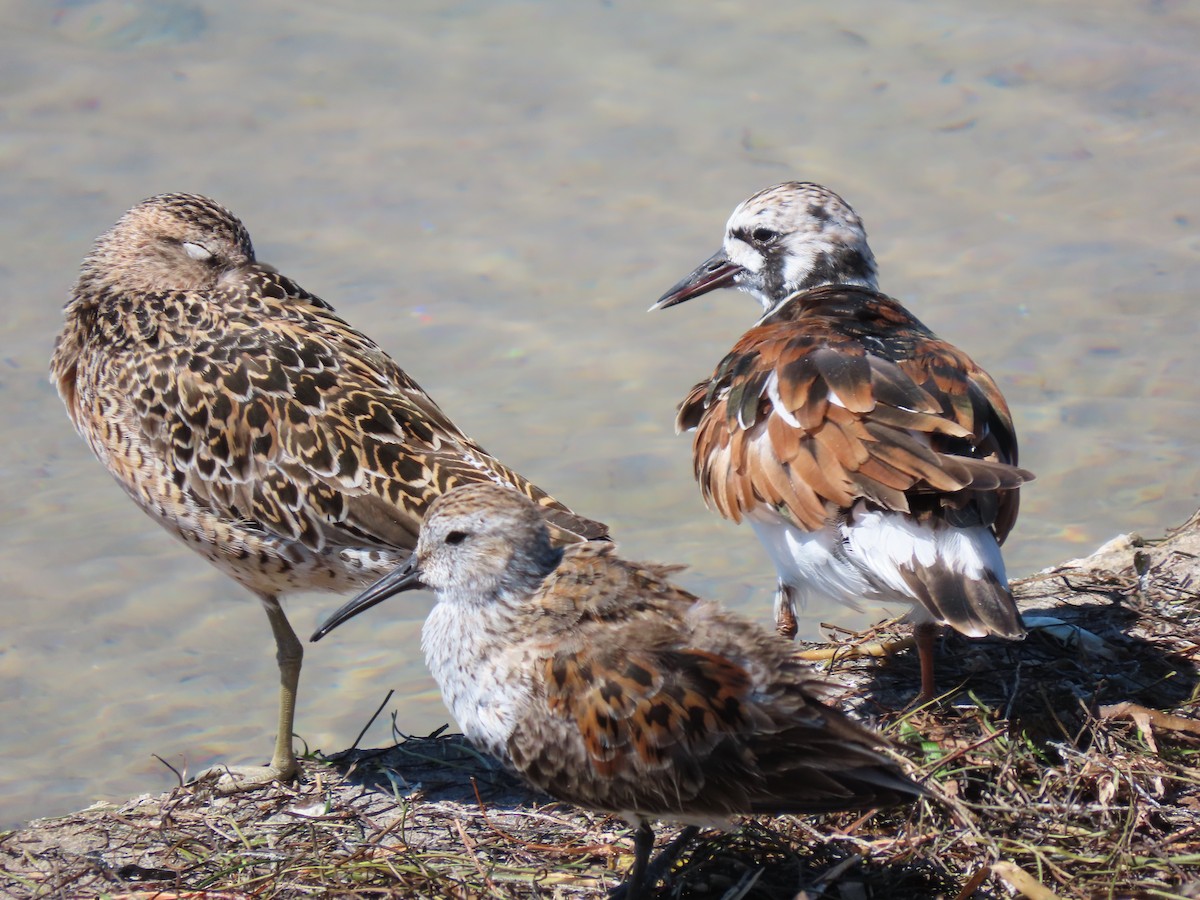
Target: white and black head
787 238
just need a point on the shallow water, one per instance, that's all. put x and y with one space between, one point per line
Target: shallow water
496 192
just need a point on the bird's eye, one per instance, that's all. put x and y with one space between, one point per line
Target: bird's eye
456 537
197 251
764 235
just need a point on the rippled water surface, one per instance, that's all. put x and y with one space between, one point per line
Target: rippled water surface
496 192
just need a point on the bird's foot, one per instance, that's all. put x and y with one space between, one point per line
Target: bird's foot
236 779
645 875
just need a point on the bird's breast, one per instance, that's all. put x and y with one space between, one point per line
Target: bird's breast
485 681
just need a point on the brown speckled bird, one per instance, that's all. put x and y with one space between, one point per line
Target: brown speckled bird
607 686
251 422
873 459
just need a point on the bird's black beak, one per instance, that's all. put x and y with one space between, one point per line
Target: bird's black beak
715 272
404 578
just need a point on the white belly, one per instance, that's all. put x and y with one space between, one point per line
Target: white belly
874 555
480 679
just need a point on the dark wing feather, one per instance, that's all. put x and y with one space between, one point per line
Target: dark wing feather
854 398
291 419
682 709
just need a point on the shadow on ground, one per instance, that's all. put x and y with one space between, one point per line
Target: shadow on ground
1061 766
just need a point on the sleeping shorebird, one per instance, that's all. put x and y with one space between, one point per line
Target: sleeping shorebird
255 425
874 460
607 686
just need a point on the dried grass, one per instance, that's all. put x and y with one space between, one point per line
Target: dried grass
1066 766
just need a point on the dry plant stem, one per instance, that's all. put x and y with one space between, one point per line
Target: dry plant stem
1140 714
371 721
1049 776
1022 881
977 878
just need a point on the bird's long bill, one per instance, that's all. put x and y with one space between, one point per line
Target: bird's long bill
715 272
404 578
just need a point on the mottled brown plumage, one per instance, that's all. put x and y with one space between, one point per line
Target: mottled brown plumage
251 421
606 685
874 459
919 428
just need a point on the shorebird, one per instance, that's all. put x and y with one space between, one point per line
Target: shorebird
252 423
607 686
874 460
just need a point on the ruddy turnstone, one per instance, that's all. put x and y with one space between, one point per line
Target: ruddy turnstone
607 686
873 459
252 423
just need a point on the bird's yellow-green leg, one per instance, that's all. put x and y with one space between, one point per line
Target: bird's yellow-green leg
289 654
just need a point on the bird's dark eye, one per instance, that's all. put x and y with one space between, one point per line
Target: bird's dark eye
456 537
764 235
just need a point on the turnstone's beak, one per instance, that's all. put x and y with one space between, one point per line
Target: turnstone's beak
404 578
715 272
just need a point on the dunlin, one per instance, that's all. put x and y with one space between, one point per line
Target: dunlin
252 423
607 686
873 459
